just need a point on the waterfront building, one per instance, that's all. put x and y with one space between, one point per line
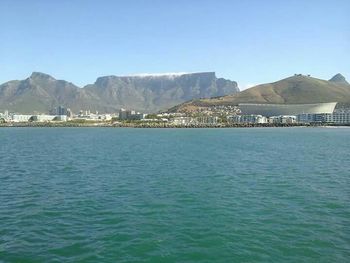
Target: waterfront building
182 120
93 117
207 119
336 117
251 118
60 118
61 110
270 110
138 116
105 117
20 117
124 114
37 118
233 118
42 118
130 115
284 119
306 118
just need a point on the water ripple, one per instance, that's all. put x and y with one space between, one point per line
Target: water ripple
124 195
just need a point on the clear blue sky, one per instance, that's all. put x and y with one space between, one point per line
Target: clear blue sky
248 41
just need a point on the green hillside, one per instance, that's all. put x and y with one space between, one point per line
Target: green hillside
292 90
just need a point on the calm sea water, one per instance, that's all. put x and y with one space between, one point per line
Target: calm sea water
174 195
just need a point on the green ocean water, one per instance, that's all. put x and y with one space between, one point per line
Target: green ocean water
174 195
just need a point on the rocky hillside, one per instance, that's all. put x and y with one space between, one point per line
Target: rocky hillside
148 93
155 92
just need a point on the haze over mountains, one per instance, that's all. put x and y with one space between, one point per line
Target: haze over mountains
147 93
295 89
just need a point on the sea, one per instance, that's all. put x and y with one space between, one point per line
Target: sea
174 195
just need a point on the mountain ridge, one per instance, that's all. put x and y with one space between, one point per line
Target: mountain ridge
41 92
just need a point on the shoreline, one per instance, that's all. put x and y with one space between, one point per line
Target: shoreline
168 126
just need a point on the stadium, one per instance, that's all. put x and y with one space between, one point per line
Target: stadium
269 110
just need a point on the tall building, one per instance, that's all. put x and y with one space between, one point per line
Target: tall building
130 115
124 114
61 110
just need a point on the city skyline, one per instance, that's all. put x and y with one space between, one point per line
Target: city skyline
250 42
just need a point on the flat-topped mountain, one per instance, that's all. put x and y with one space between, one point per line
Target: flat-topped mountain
147 92
155 92
292 90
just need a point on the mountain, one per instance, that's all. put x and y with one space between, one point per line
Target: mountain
339 79
296 89
148 93
155 92
38 93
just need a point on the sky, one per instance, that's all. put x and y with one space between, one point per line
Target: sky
250 41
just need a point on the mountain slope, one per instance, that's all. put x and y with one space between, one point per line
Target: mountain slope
292 90
155 92
150 93
38 93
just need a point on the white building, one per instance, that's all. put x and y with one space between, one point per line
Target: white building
20 118
207 120
130 115
284 119
37 118
43 118
61 118
336 117
182 120
269 110
252 118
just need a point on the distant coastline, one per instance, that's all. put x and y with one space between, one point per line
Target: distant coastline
165 125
